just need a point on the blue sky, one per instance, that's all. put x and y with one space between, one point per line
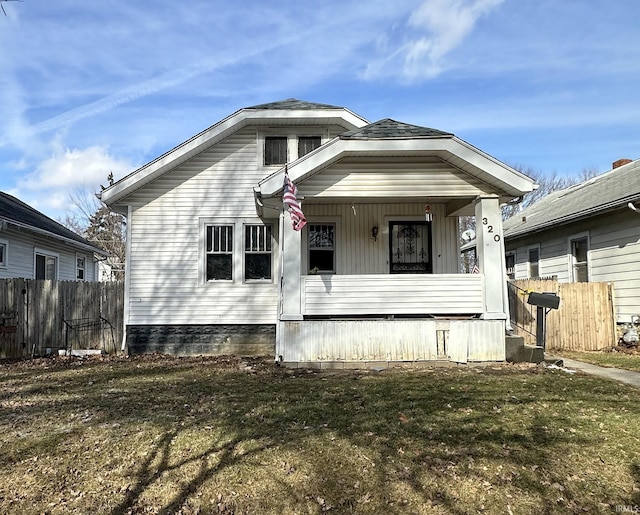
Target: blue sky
88 88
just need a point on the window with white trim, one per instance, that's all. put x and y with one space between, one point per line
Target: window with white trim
4 250
322 247
275 150
81 262
580 259
510 262
46 266
219 253
534 262
257 252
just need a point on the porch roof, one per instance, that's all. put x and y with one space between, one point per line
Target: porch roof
390 138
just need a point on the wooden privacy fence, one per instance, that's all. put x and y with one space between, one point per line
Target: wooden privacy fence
42 317
585 319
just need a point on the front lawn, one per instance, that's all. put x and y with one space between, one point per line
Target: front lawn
611 359
205 435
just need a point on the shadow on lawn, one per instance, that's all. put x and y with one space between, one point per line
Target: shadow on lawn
420 433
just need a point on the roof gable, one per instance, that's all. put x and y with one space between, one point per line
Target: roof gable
290 112
610 190
18 213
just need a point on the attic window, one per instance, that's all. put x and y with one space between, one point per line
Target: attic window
275 150
308 144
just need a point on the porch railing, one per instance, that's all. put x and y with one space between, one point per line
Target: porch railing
370 295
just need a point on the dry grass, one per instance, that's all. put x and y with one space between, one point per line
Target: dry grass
168 435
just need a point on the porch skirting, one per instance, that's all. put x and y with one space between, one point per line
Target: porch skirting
370 341
210 339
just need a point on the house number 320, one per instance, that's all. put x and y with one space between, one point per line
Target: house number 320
485 221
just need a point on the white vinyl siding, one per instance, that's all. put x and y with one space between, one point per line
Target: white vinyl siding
20 259
167 234
357 252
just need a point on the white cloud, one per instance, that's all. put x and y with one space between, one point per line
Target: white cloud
435 29
66 173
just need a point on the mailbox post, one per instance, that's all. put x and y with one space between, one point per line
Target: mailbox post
544 303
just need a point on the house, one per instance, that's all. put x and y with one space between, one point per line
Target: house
587 232
33 246
214 264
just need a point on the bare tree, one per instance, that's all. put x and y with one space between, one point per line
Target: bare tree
93 220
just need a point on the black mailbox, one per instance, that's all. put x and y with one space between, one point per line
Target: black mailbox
545 300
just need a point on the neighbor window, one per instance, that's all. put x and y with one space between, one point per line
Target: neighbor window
322 247
46 266
219 252
4 247
275 150
257 252
534 262
80 267
510 260
307 144
579 259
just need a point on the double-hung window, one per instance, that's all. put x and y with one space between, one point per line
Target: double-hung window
322 247
46 266
510 259
579 259
80 268
534 262
219 252
257 252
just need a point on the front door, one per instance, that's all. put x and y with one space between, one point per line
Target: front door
410 248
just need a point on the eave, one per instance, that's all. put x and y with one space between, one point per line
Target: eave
48 234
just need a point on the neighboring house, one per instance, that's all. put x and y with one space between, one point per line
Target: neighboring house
214 265
586 232
33 246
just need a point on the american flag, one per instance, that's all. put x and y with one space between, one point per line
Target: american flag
475 270
291 202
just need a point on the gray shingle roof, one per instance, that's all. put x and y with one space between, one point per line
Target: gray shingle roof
293 103
388 128
14 210
610 190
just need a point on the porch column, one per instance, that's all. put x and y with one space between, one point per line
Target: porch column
489 247
291 270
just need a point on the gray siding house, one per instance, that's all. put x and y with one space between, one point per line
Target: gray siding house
214 264
33 246
587 232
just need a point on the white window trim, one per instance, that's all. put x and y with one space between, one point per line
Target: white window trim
322 220
536 246
570 239
292 135
237 276
86 261
273 226
5 262
47 253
